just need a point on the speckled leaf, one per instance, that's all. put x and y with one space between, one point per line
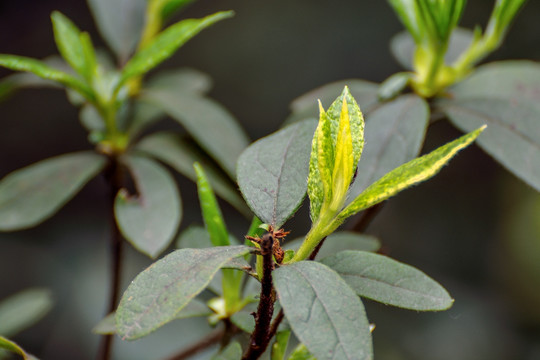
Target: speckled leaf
157 295
165 44
394 135
272 172
382 279
120 23
150 219
406 175
305 107
23 309
180 153
505 97
324 312
14 348
32 194
209 123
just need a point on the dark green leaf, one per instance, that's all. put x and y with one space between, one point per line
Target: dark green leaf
304 107
232 352
394 134
120 23
505 97
273 171
339 241
382 279
183 80
209 123
20 311
157 295
32 194
39 68
165 44
323 311
149 220
144 115
402 47
14 348
177 152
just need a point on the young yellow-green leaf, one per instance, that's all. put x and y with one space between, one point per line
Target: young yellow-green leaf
14 348
39 68
149 220
23 309
166 43
69 44
180 153
323 311
321 164
32 194
382 279
272 172
160 292
406 175
301 353
213 219
279 347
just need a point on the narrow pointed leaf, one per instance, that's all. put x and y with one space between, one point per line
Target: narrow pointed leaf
32 194
14 348
382 279
166 43
406 175
68 41
179 153
395 134
213 219
23 309
120 23
150 219
39 68
209 123
272 172
505 97
157 295
323 311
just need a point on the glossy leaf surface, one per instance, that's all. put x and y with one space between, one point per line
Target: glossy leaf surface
382 279
32 194
323 311
150 219
272 172
23 309
394 135
505 97
159 293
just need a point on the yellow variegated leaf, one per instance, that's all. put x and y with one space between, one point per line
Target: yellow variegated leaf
406 175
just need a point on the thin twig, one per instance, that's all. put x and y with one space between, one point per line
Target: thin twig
212 339
260 337
114 179
275 324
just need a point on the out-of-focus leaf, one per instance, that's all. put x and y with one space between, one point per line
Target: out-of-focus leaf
232 352
406 175
106 326
179 153
393 85
90 118
382 279
158 294
150 219
279 347
14 348
272 172
166 43
301 353
402 47
505 97
32 194
39 68
305 106
120 23
169 7
21 310
183 80
244 321
339 241
209 123
144 115
394 134
323 311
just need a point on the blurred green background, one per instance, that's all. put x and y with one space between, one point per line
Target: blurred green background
474 228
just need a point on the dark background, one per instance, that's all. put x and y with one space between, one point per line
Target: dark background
474 227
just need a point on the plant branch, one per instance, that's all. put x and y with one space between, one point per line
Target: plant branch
275 324
261 335
114 180
212 339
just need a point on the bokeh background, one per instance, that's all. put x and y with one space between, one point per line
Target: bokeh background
475 228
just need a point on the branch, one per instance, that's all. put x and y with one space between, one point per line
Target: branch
212 339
